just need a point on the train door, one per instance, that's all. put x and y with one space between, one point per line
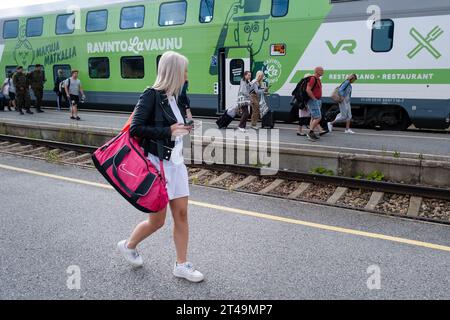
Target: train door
232 65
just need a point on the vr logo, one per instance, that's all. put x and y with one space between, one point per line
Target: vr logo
343 45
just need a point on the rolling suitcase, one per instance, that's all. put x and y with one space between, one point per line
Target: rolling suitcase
224 121
2 102
268 120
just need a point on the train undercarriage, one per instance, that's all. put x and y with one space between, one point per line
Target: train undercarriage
388 117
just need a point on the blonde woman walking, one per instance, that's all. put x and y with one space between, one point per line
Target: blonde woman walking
162 140
256 91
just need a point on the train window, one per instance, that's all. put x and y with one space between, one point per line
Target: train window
10 69
132 17
172 13
382 35
66 70
280 8
65 23
206 11
132 67
10 29
236 71
96 20
99 68
34 27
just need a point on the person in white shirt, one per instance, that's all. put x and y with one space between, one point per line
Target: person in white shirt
163 141
9 92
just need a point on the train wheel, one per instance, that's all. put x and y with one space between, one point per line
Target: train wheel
393 119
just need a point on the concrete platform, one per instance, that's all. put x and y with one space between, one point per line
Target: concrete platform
411 156
248 246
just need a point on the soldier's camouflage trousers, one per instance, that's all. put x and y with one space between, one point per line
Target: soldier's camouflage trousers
23 100
38 93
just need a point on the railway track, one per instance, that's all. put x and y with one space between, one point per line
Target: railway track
395 199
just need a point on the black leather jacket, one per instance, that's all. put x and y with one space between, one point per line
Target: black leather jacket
151 122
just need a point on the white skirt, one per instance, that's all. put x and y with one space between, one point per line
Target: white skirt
177 181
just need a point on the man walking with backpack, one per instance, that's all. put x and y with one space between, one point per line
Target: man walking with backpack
314 92
73 89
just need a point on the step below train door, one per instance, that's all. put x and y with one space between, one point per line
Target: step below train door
233 63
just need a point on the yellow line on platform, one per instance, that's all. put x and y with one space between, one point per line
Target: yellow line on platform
253 213
54 176
323 226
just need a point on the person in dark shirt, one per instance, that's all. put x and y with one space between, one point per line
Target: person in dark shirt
184 101
21 83
37 80
57 89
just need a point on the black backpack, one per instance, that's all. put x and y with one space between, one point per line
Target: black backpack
300 97
300 90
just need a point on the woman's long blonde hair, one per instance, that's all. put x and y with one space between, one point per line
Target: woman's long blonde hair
259 76
171 69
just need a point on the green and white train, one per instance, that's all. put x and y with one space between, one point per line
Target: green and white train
399 49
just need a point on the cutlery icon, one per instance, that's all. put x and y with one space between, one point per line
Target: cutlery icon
425 43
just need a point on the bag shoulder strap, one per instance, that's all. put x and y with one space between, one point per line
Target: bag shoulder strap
127 125
315 83
307 82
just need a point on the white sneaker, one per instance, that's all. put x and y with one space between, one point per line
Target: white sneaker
330 126
254 128
187 271
242 129
131 255
349 131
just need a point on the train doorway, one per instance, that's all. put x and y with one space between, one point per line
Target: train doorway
233 62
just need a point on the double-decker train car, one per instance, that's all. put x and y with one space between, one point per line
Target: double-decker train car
398 49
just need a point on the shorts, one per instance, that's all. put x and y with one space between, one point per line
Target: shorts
304 113
315 108
74 98
12 96
176 177
345 110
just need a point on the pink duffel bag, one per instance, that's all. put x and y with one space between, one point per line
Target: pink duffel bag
124 165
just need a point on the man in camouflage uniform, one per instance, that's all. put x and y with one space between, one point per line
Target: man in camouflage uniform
21 83
37 80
